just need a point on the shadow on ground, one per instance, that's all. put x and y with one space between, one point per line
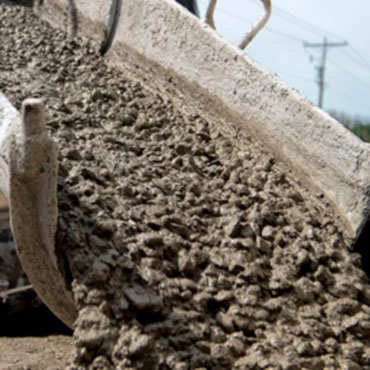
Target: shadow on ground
34 322
362 247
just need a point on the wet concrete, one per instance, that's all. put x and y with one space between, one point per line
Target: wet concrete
183 251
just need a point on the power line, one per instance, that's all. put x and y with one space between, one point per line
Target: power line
364 60
354 55
349 74
230 14
302 22
249 21
343 96
286 35
361 64
321 69
359 59
278 69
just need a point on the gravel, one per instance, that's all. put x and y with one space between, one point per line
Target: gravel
183 251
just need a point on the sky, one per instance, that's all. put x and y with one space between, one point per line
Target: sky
279 47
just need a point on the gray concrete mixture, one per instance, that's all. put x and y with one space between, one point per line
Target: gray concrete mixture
183 252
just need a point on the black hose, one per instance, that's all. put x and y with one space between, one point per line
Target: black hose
190 5
113 18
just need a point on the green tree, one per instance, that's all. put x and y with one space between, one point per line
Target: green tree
355 124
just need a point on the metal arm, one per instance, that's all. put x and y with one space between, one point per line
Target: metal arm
256 27
209 14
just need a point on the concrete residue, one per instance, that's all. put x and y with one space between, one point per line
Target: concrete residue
183 252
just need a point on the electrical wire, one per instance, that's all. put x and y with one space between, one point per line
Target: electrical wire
336 92
343 96
361 64
354 55
349 74
285 72
301 22
364 60
249 21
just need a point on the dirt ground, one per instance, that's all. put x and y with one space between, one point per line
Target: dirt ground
35 353
32 338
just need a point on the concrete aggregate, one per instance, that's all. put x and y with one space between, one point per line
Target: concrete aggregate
183 251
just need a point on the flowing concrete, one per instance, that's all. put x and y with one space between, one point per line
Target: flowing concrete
161 37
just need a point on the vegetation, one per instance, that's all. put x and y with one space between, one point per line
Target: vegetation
357 125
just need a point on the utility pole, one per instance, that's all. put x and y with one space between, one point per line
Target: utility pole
321 68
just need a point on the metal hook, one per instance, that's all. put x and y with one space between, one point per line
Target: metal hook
209 14
256 27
